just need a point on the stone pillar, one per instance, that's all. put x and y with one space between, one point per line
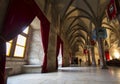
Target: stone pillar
102 54
93 56
66 57
65 62
100 45
51 56
89 62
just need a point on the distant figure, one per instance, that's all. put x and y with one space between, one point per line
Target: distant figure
80 60
76 60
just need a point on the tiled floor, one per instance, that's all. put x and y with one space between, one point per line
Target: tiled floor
70 75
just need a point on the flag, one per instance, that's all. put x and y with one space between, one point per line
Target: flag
111 10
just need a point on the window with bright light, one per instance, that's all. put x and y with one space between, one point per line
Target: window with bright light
20 46
26 30
8 44
21 40
17 47
19 51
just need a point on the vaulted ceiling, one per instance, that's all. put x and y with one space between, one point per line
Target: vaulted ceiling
76 19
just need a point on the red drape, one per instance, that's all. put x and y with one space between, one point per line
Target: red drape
59 43
2 60
19 15
111 10
62 52
107 55
45 26
58 49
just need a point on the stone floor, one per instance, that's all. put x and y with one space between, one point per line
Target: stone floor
70 75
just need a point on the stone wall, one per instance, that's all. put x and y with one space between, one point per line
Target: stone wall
16 65
36 53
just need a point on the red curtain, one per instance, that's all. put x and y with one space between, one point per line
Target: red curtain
2 60
59 43
45 27
62 52
19 15
107 55
58 49
111 10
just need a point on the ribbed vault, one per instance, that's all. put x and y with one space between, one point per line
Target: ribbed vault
76 20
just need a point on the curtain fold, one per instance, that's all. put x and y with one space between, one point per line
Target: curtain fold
107 55
59 43
2 60
45 27
19 15
62 53
57 50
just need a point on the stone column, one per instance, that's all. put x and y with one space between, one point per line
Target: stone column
51 56
65 62
66 57
93 56
89 62
102 54
100 45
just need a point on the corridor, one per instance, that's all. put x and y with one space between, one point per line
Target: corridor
70 75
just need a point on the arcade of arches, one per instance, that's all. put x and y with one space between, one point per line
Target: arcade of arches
79 29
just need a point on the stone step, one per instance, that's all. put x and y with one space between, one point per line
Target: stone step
32 68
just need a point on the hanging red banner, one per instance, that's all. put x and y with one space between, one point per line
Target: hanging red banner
111 10
107 55
85 51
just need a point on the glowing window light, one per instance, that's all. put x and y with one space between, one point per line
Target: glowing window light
116 54
26 30
19 51
8 48
21 40
111 58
